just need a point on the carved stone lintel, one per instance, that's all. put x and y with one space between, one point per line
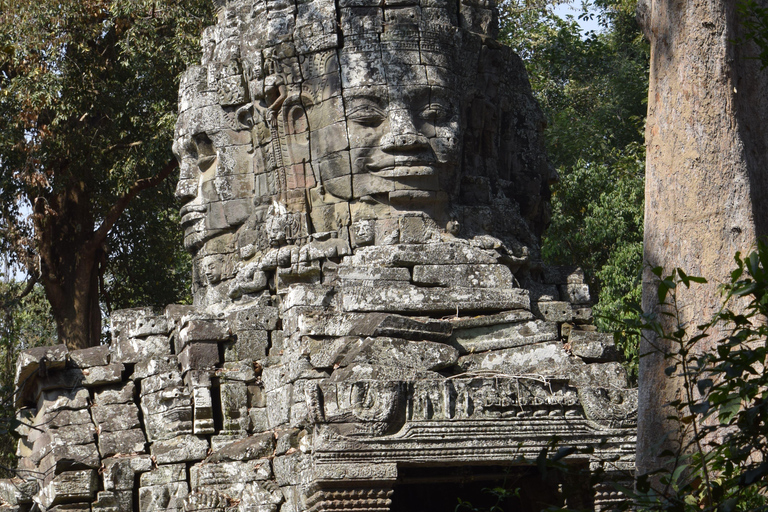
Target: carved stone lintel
352 487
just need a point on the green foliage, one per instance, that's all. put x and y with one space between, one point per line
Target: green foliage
593 90
88 92
23 324
754 18
147 265
719 463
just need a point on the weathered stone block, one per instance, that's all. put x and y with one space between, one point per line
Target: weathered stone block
52 458
373 273
202 406
160 382
593 346
122 442
421 355
278 375
307 295
321 323
238 371
204 330
582 315
234 405
259 419
601 375
249 344
225 475
554 311
279 406
183 448
575 293
29 362
120 472
88 357
226 438
548 359
116 417
155 365
76 377
15 491
67 435
164 474
163 498
480 276
24 419
82 506
258 446
481 339
408 255
291 469
62 418
150 325
118 394
167 413
199 356
133 350
414 299
112 501
58 399
68 486
506 317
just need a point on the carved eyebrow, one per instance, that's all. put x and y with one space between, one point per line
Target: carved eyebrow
377 96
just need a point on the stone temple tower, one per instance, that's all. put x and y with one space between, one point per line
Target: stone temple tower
363 190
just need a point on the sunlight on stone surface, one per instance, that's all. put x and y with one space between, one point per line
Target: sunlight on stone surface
363 188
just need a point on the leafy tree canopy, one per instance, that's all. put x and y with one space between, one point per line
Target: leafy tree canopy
593 89
88 94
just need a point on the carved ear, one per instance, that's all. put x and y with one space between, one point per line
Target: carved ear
294 115
244 116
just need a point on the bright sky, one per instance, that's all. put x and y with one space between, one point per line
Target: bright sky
574 9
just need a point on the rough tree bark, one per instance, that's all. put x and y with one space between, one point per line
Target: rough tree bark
706 172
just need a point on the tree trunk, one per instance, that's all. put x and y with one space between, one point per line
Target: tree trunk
706 179
70 265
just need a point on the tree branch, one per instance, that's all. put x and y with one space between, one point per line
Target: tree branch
122 203
26 291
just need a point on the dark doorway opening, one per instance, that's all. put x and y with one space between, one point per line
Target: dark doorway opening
510 488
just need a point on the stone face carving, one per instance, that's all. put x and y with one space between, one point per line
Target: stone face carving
366 124
363 190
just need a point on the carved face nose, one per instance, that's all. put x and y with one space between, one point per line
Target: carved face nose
403 135
186 188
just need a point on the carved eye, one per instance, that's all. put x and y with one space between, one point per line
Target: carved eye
435 112
367 115
206 155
